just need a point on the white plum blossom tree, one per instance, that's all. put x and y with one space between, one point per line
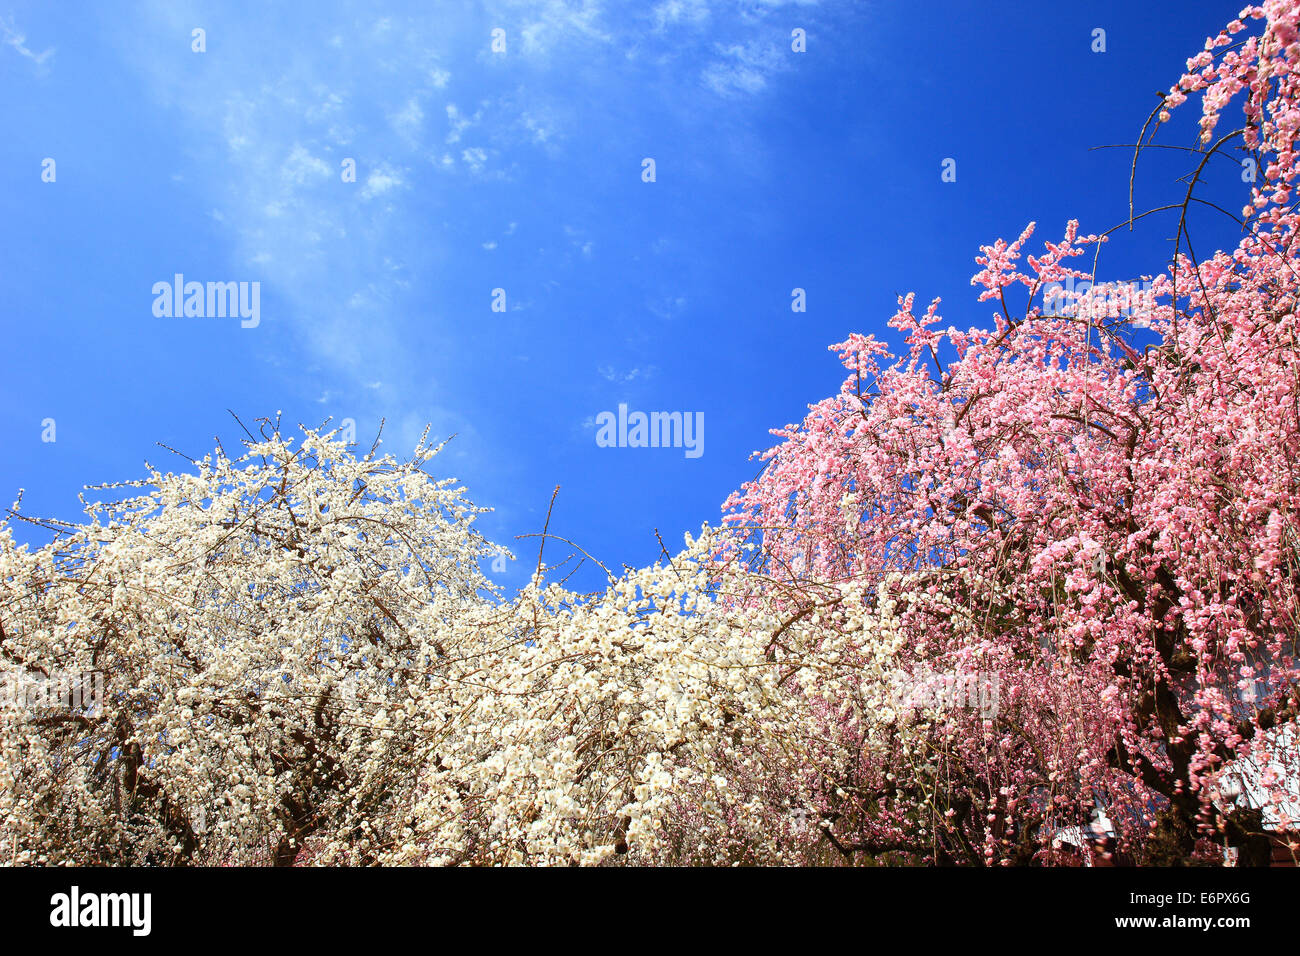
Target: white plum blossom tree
261 627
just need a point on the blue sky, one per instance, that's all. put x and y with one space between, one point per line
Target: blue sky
522 170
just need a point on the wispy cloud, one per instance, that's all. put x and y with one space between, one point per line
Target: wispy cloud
16 40
457 123
423 111
409 119
743 68
380 180
674 12
549 24
626 376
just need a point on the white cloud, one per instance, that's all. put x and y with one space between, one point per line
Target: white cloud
458 122
668 307
16 40
742 68
625 377
672 12
476 157
551 22
540 130
302 166
381 179
408 120
329 106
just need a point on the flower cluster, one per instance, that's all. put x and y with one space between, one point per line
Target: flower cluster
1115 529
